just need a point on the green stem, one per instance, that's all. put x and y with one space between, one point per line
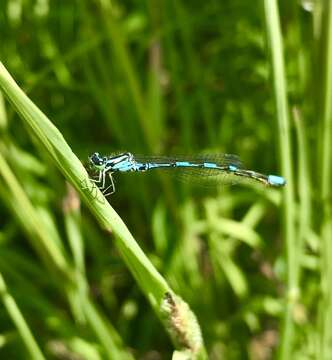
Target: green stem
280 92
326 192
304 185
20 323
153 285
76 288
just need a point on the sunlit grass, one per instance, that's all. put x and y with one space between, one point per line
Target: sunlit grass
164 78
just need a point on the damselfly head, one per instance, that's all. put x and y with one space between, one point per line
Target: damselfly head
96 161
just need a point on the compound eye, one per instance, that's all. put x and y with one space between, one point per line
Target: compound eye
95 159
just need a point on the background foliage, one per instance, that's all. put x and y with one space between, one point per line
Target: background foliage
168 77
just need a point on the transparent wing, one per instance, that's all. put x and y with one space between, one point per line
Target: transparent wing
198 175
207 180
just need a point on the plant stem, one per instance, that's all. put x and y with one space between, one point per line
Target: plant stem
153 285
280 92
20 323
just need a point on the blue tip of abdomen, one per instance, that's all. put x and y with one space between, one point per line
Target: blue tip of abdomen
275 180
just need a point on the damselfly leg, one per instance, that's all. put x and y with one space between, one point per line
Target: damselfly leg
101 182
111 186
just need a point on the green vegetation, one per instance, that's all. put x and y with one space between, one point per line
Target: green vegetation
165 269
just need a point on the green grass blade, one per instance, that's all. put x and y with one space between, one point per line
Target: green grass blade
151 282
107 336
326 164
72 217
304 183
118 40
280 92
326 177
42 242
73 283
20 323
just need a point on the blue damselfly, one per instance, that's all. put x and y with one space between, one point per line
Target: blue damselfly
203 167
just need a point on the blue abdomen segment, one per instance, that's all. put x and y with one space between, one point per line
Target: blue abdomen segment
184 164
210 165
232 168
276 180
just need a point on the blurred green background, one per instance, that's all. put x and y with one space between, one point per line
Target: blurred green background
172 77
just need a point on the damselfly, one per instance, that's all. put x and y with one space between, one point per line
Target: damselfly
204 167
